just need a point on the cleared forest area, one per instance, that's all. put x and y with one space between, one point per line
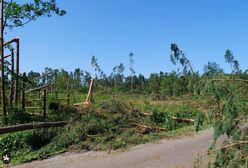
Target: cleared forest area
44 114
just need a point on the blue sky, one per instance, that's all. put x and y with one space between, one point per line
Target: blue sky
111 29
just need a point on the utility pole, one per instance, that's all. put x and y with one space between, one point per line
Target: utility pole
2 66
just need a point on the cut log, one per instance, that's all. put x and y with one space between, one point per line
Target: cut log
183 119
188 120
150 127
146 114
23 127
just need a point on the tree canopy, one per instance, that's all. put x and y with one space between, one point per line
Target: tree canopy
18 14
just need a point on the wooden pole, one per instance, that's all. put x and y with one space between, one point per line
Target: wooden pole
23 93
44 103
17 71
2 67
11 97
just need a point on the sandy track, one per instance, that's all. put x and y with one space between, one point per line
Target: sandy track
179 153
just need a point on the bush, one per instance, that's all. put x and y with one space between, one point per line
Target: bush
17 116
40 138
60 112
163 116
12 143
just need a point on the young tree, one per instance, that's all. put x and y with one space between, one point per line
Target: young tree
77 78
154 83
33 77
212 68
118 74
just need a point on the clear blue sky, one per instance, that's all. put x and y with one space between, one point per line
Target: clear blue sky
111 29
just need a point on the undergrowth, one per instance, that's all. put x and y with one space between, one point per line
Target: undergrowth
113 124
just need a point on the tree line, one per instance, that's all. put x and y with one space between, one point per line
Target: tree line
161 84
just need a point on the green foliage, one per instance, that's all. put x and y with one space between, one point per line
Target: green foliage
199 119
227 117
59 112
17 116
114 126
97 68
212 69
19 14
178 56
40 138
229 57
163 116
11 143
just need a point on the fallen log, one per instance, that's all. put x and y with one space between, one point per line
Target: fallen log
174 118
38 88
23 127
32 107
183 119
150 127
146 114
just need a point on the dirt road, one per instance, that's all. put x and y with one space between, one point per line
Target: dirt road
179 153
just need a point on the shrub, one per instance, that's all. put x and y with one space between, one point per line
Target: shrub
40 138
60 112
17 116
12 143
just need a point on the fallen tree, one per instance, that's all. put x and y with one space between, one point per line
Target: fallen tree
188 120
29 126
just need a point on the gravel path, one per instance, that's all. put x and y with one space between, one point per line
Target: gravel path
179 153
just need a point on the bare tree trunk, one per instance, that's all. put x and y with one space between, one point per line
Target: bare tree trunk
12 78
17 71
2 68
